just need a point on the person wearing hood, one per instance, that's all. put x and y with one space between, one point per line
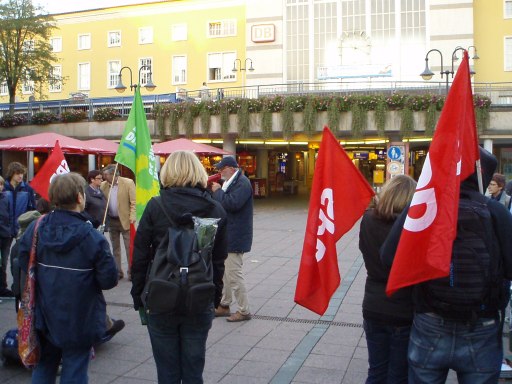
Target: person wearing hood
178 340
74 265
445 337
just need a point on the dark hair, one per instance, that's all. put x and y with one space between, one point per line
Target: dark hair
64 190
43 206
92 175
14 168
499 179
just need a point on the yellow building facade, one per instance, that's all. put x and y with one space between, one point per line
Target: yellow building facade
493 37
185 43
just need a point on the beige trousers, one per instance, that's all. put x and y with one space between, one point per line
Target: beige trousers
234 284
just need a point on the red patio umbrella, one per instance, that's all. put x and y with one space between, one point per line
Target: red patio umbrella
167 147
46 141
103 146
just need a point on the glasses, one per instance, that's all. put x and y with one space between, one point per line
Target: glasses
493 184
99 178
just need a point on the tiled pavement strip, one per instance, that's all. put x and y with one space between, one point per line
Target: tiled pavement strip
283 343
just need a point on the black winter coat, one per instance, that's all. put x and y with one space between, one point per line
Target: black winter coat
396 310
153 226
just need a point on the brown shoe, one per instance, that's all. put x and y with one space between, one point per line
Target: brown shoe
236 317
222 311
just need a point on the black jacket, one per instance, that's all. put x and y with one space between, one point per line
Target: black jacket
395 310
95 204
153 226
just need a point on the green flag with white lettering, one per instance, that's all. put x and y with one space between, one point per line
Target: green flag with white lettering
136 152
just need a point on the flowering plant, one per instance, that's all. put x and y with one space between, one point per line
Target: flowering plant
106 114
73 115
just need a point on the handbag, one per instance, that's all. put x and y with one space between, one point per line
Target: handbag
28 341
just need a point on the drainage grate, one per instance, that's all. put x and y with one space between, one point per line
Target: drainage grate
307 321
276 318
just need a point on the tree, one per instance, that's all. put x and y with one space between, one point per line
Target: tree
25 52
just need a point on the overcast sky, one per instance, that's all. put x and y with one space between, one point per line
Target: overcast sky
60 6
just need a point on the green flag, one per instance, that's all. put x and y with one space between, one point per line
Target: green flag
135 152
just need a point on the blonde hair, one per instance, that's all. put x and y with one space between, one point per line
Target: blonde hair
183 169
394 197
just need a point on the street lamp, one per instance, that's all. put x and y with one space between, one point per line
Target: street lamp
150 86
245 69
427 73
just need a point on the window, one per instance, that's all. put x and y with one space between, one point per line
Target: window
146 35
3 88
222 28
28 84
144 72
55 79
179 69
508 53
220 66
28 45
113 68
84 41
507 9
84 76
56 44
114 39
179 32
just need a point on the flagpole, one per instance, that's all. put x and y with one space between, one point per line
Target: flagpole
108 197
479 176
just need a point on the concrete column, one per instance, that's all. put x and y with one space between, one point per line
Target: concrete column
488 145
229 144
30 165
262 163
92 162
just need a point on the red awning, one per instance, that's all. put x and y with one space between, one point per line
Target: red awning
171 146
46 141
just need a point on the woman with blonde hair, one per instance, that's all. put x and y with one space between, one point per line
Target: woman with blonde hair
387 320
178 339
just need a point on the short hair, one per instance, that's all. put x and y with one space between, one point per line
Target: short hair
110 169
43 206
14 168
394 197
92 175
499 179
183 169
2 181
64 190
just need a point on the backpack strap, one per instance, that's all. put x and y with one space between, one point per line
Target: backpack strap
158 200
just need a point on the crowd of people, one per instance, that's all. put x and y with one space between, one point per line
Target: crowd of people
415 335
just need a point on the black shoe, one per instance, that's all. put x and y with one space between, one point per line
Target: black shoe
6 292
117 326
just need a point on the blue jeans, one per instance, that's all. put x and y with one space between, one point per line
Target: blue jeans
437 345
387 352
179 346
75 362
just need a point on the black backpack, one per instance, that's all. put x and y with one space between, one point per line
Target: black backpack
475 286
180 277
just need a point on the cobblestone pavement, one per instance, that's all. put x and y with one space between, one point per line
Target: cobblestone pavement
283 343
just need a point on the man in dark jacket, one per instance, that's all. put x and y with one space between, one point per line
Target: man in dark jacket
447 339
74 265
21 199
235 195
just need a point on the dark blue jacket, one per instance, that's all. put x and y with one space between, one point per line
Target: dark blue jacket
238 203
74 265
21 200
5 220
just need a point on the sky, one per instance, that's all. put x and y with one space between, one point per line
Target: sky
60 6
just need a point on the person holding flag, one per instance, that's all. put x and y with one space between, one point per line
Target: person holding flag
453 246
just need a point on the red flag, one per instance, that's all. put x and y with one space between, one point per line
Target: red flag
339 196
425 248
56 164
133 231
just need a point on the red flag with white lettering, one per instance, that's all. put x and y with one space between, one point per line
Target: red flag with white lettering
56 164
339 196
425 248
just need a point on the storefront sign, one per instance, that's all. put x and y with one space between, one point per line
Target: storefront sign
263 33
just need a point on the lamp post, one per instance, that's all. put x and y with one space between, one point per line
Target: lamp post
150 86
244 69
427 73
